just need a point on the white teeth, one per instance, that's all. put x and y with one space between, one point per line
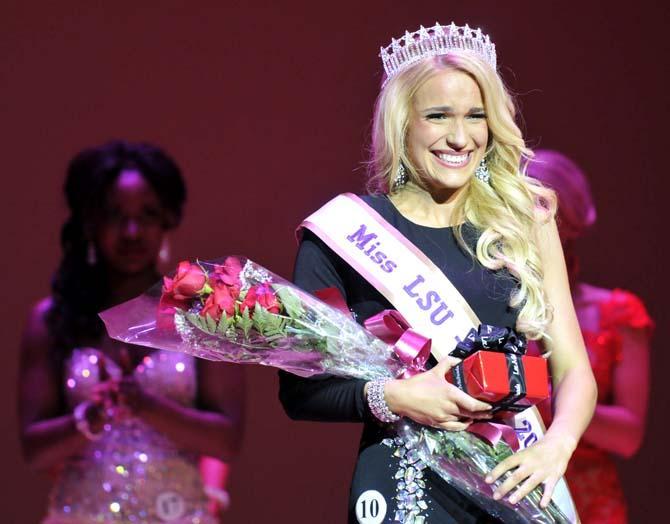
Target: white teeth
453 159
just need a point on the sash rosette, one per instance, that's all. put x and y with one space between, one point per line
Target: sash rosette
235 310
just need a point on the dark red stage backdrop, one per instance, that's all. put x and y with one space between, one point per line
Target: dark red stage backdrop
267 108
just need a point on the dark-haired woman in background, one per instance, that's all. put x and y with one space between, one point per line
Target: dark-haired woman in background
616 329
124 427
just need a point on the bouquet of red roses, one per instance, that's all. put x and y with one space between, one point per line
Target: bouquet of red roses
237 311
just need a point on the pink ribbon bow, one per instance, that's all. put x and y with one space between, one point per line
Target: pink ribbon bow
493 432
412 348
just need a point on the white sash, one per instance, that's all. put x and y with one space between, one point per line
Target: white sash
417 288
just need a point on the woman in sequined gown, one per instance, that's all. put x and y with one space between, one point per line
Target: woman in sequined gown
616 329
122 428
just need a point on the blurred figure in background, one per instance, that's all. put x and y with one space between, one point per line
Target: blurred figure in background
122 427
616 329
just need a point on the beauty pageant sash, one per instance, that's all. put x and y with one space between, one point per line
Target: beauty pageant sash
396 268
416 287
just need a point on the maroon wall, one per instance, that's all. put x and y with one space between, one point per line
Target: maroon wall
267 110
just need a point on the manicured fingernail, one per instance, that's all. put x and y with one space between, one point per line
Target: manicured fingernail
489 479
496 496
512 500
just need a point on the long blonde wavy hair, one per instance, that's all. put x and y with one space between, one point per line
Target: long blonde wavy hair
507 211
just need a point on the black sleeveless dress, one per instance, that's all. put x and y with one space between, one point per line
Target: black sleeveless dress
374 488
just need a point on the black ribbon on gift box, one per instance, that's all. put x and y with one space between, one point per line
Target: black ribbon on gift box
502 340
491 338
517 385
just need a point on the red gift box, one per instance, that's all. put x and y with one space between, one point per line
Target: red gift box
509 382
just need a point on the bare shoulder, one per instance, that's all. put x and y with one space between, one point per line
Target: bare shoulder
36 332
591 293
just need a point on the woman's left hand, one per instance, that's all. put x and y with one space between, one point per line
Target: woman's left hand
544 462
132 395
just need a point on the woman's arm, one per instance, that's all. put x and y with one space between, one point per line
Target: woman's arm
213 427
49 435
619 427
324 398
574 387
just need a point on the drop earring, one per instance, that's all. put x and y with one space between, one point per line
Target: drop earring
401 177
91 257
482 172
164 253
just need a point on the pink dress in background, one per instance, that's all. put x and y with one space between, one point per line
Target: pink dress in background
592 475
133 474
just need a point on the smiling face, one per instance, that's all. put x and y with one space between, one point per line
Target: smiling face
130 234
447 131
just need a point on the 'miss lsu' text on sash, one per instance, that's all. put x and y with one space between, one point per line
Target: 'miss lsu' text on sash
385 258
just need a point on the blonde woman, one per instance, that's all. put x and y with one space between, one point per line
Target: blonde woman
445 173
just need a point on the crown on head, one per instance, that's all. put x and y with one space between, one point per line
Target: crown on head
434 41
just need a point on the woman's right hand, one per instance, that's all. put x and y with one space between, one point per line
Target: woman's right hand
429 399
96 416
104 399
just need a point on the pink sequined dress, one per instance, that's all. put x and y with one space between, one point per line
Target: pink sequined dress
133 474
592 475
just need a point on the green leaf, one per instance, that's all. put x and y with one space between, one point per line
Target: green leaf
292 304
260 319
268 324
202 323
196 320
245 322
210 323
223 325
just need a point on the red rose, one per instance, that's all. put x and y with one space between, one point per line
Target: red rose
264 296
166 310
221 300
249 300
268 299
228 273
187 282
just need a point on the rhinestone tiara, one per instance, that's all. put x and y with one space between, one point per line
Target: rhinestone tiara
434 41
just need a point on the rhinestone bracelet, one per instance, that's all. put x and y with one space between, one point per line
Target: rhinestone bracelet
377 401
